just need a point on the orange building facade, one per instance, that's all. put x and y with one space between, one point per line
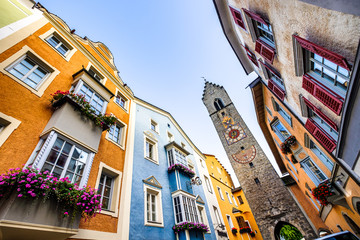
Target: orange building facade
40 55
306 73
235 210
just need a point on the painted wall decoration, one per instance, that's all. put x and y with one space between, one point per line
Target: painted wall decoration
245 156
234 133
227 122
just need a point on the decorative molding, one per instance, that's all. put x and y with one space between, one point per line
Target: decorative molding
43 149
152 181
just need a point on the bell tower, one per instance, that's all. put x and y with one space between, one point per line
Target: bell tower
269 200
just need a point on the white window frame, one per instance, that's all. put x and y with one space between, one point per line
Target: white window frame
277 131
217 215
228 218
150 140
220 193
115 196
176 156
123 127
9 124
78 87
321 155
234 200
53 32
156 126
126 104
189 210
228 196
47 144
14 59
170 136
97 72
208 185
203 215
158 209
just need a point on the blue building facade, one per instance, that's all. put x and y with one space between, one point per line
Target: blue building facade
161 198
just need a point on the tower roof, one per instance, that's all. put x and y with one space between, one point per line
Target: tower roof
207 85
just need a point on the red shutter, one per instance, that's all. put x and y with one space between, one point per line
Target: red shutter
324 139
270 69
255 16
265 50
237 17
251 56
329 55
276 89
330 99
321 114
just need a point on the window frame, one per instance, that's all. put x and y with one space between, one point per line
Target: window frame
228 218
121 141
220 193
240 199
228 196
237 16
153 142
61 42
188 210
208 185
9 124
277 131
158 203
122 97
117 176
234 200
278 108
310 173
217 215
106 176
321 155
43 150
156 126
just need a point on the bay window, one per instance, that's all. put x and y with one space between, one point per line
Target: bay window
97 103
176 154
185 209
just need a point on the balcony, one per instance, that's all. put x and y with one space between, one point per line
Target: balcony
35 220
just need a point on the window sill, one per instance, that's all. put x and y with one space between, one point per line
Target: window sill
113 142
123 108
109 213
154 224
152 160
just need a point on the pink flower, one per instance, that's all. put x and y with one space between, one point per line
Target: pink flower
19 189
28 186
20 195
66 213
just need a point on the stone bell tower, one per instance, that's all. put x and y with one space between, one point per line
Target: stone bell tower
269 200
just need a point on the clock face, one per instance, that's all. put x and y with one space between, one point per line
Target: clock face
245 156
234 133
227 122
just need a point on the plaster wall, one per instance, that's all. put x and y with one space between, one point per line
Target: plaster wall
335 31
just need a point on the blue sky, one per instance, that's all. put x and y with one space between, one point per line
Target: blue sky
162 49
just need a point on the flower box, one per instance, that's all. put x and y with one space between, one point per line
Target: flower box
181 168
234 230
190 226
322 192
22 217
252 234
288 144
245 229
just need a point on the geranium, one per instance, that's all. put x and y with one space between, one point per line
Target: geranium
322 191
101 120
245 229
190 226
182 168
31 183
285 146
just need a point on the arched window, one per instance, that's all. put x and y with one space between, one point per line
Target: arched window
218 103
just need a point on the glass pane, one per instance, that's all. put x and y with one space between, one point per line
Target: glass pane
47 167
318 58
67 148
108 181
77 179
76 153
63 49
72 165
80 168
330 64
52 156
341 82
317 68
53 41
57 172
343 71
107 191
100 188
105 203
69 175
329 75
62 160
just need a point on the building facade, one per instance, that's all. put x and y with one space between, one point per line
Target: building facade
235 211
39 56
272 205
164 192
305 97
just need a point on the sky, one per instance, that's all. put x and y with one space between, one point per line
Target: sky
162 50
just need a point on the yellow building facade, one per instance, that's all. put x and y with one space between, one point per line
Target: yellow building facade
235 211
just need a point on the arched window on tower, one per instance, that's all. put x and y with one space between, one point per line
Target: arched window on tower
218 103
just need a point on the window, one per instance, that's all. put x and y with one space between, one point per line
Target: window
228 196
218 103
56 41
293 174
185 209
94 73
321 155
176 156
66 159
120 100
217 215
170 137
275 82
229 221
282 112
97 103
280 130
237 18
153 126
251 56
240 200
257 181
234 200
219 170
312 201
325 73
153 206
29 71
208 185
7 126
241 222
105 190
220 193
323 124
202 215
251 164
116 133
268 110
150 149
201 163
315 174
329 73
108 184
261 32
